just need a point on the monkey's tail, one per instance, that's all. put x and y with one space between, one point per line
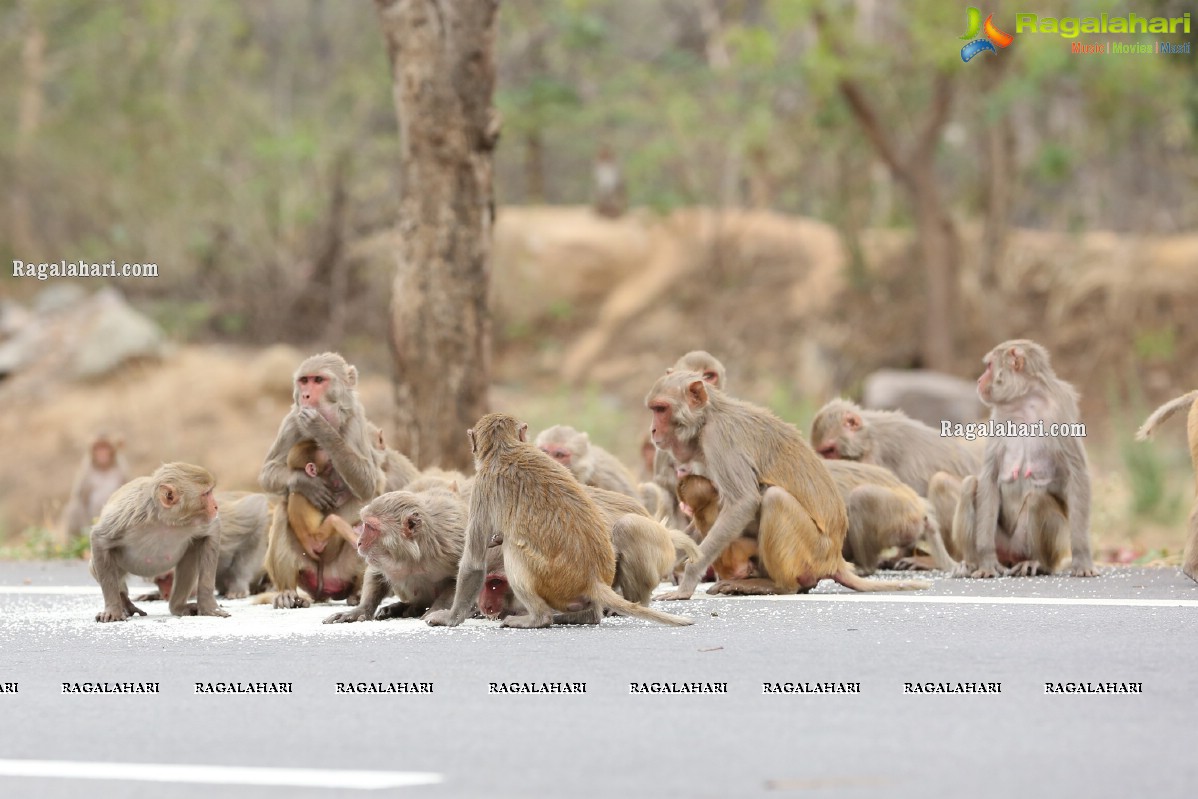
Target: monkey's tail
685 544
604 595
849 579
265 598
1163 413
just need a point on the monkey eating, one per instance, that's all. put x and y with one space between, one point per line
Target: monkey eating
1029 507
151 525
557 550
765 472
1189 558
412 544
327 411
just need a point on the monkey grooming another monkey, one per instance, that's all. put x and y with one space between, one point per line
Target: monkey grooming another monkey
764 472
1189 559
151 525
412 544
1029 507
101 473
311 527
326 410
557 550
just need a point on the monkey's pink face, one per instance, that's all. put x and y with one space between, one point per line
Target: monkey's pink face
490 599
560 453
986 381
103 455
369 531
210 506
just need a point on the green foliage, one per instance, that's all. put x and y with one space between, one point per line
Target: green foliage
37 543
1156 345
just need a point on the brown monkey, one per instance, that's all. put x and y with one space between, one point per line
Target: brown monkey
922 458
244 519
557 550
884 512
412 544
590 463
738 561
326 410
100 474
153 524
645 555
664 466
1189 564
312 528
398 470
1029 507
764 471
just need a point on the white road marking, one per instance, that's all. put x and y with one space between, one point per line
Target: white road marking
218 775
839 596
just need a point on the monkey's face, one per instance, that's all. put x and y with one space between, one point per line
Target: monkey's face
103 455
1002 380
559 452
210 507
319 390
678 410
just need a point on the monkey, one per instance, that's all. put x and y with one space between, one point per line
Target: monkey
312 528
557 550
654 498
1029 506
610 198
243 521
325 409
645 555
932 464
1189 558
764 471
153 524
101 473
412 544
738 561
398 469
590 463
664 467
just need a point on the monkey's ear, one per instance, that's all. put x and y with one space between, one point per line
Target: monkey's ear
669 370
470 435
1017 358
351 376
168 495
696 394
522 432
852 421
411 525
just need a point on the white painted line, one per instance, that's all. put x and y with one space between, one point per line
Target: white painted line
925 599
218 775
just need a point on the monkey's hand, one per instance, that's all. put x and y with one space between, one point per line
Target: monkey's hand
237 593
193 609
441 618
290 599
1083 568
313 489
117 614
400 610
988 569
314 426
1027 568
353 614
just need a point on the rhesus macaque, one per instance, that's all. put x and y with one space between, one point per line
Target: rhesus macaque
800 515
590 463
243 521
326 410
100 474
884 512
1189 565
556 546
450 480
645 555
398 470
931 464
412 544
151 525
738 561
610 198
312 528
1029 507
664 466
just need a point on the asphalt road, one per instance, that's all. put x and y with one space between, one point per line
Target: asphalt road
1129 626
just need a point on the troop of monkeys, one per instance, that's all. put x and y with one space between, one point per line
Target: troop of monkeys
557 530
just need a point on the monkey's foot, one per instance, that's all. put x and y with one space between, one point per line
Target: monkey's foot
149 596
1027 568
1087 569
291 599
441 618
527 622
193 609
399 610
236 593
353 614
675 595
743 588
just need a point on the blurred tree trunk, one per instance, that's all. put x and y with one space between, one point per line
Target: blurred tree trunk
443 70
999 169
29 119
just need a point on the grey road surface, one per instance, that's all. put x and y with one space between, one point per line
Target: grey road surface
1131 630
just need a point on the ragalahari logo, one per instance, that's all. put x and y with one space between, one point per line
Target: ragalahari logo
993 36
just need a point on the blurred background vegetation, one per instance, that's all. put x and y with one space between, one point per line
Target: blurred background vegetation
249 149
